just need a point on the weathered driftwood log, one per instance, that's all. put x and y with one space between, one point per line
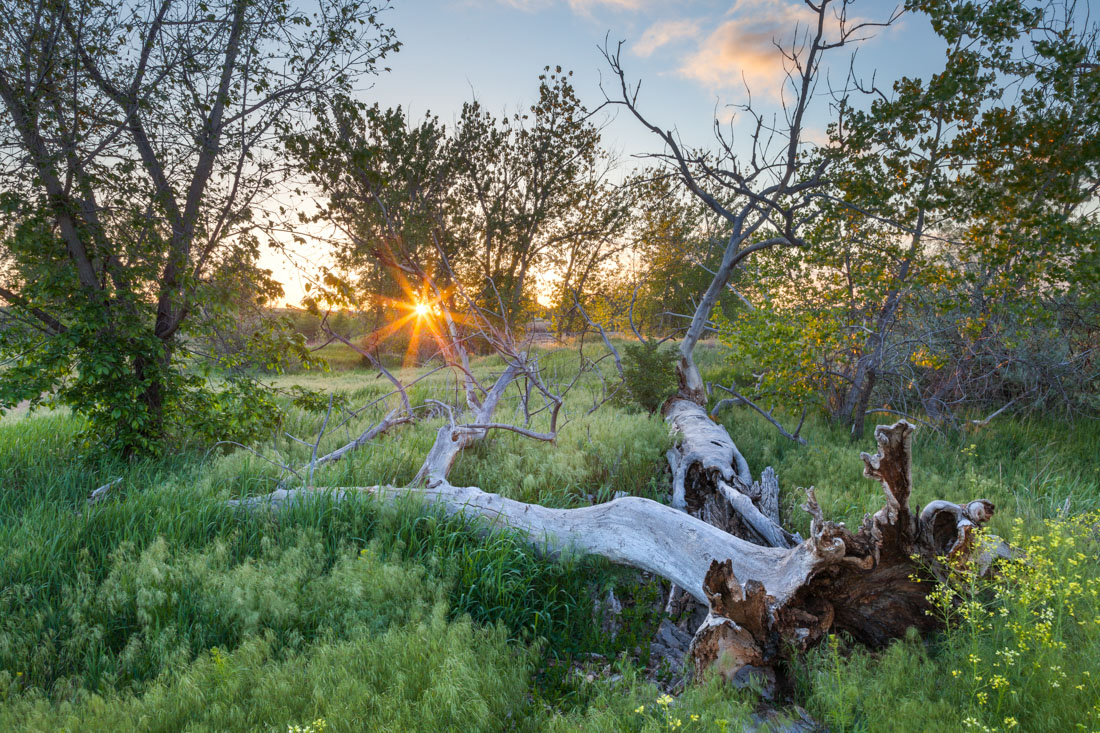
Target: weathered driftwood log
763 601
711 479
451 439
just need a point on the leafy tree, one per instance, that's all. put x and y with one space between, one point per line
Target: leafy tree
485 206
678 244
534 194
140 149
960 209
387 184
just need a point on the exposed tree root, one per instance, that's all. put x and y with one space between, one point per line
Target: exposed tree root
763 601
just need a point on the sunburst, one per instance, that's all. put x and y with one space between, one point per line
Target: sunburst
424 307
420 311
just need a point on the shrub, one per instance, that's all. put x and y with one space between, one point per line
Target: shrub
649 373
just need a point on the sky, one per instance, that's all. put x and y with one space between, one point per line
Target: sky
693 58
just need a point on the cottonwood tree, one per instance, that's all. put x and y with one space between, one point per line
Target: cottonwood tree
766 592
535 192
137 142
677 242
490 204
387 186
957 221
586 255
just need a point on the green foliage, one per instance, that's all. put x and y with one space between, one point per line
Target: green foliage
371 617
129 230
133 391
952 252
791 352
115 616
1019 652
422 674
489 203
649 374
678 245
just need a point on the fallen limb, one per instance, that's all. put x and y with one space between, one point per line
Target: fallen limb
762 601
103 491
377 364
391 420
533 434
451 439
739 399
707 444
631 531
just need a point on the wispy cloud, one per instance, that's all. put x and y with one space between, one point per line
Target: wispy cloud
583 7
587 5
742 50
664 32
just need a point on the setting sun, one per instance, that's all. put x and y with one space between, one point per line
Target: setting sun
422 309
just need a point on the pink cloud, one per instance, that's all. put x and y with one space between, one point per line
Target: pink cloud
742 50
664 32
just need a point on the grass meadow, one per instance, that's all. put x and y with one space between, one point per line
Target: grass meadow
163 608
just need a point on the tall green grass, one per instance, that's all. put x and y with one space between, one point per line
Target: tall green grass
164 608
139 608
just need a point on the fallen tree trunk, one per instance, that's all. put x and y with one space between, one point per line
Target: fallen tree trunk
632 531
762 601
711 479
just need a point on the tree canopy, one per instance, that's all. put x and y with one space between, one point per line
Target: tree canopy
139 143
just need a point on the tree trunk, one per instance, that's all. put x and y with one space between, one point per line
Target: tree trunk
153 376
711 479
859 412
763 602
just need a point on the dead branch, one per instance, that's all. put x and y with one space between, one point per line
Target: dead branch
603 335
377 364
391 420
763 602
741 399
103 491
451 439
548 437
320 434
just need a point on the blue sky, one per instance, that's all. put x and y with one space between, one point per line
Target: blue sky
689 55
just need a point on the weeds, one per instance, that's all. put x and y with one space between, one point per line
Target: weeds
165 607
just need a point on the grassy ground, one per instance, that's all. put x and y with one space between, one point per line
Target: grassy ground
164 609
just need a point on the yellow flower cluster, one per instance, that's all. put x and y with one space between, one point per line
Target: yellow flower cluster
1040 607
673 722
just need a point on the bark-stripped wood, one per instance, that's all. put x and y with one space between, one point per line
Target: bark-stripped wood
763 601
451 439
392 419
712 480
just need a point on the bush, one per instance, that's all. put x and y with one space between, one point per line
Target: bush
649 373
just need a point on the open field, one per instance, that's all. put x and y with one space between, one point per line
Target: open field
164 609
